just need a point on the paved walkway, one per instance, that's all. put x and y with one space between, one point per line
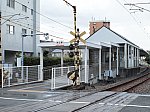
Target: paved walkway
39 98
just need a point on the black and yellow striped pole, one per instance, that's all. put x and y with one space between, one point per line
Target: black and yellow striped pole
74 45
1 80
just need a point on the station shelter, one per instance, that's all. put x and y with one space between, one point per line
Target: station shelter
129 53
99 60
105 54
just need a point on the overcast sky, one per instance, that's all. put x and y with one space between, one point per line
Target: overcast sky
132 24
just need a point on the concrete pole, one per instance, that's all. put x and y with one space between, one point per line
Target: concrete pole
100 62
117 61
128 59
109 60
132 56
137 57
34 28
62 55
125 55
86 64
41 63
22 58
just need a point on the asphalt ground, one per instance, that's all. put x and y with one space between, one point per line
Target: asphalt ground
39 98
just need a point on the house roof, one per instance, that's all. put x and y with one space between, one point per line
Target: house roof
105 34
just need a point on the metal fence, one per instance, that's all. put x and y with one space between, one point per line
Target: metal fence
59 76
15 76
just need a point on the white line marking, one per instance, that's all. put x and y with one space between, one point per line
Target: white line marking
79 102
20 99
22 90
33 87
57 101
145 95
123 105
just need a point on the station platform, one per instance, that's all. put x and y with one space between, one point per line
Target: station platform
39 98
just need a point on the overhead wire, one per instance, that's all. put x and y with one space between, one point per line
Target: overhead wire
31 28
24 25
46 17
38 22
139 21
139 25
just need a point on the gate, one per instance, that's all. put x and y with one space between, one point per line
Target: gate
59 76
14 75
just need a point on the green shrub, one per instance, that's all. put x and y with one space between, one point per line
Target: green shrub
47 61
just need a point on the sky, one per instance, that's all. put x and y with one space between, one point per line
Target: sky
126 20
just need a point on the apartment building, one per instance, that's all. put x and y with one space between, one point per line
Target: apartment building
19 17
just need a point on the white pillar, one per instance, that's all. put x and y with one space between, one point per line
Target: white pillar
62 55
135 57
128 57
100 62
109 59
117 61
132 56
138 55
41 64
86 55
125 55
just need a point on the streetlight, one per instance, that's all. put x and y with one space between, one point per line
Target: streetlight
46 35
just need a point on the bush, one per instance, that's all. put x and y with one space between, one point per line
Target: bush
48 61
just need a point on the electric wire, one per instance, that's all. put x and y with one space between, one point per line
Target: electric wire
46 16
31 28
132 17
25 16
28 27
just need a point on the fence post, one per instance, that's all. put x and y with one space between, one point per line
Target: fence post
39 72
80 74
2 78
27 74
68 78
52 80
54 77
9 80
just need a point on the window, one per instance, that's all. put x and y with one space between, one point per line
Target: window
11 3
11 29
24 8
24 31
31 11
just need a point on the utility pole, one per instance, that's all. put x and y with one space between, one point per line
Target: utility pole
74 45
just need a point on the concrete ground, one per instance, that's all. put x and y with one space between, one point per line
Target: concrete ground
39 98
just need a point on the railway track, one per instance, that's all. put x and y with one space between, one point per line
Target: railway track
127 86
